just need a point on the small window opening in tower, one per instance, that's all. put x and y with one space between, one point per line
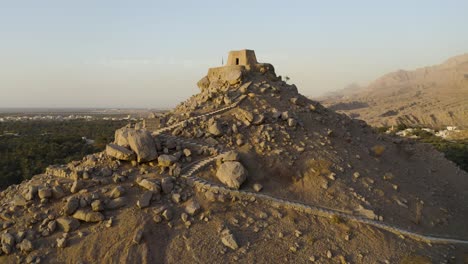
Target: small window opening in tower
237 61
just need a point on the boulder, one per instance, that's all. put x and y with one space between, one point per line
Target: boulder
71 205
89 217
187 152
8 242
149 185
145 199
19 200
61 242
232 174
292 122
119 152
244 88
138 236
25 246
166 160
57 192
167 214
121 137
44 193
52 225
116 203
258 120
257 187
117 192
231 155
276 114
215 129
167 184
140 141
97 205
228 239
176 197
32 191
244 116
68 224
192 207
76 186
215 85
106 172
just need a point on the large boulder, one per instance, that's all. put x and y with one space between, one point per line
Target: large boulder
140 141
119 152
232 173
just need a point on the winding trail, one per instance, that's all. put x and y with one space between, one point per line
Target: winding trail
216 112
190 171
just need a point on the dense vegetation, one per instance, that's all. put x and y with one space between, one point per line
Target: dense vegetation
454 150
42 143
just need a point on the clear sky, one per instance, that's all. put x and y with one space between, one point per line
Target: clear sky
111 53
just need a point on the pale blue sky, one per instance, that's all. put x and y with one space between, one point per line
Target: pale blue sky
114 53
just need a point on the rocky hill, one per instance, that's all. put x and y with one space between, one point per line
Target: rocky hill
435 96
248 170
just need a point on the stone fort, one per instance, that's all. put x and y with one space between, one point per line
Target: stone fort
242 57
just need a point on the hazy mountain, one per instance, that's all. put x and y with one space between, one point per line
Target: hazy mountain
431 96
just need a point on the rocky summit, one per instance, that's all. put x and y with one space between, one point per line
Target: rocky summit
248 170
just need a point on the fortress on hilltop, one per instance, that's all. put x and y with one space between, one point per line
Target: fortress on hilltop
240 63
242 57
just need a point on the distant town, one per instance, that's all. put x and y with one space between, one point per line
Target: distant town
66 117
38 114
